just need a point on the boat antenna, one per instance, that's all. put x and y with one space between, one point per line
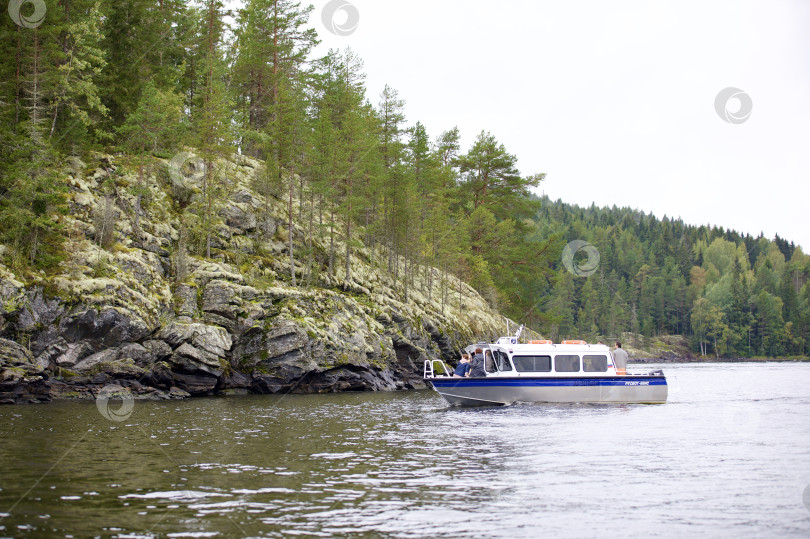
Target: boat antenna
519 331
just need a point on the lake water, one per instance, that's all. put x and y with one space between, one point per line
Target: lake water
727 456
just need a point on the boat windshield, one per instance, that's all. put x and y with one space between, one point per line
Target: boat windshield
502 361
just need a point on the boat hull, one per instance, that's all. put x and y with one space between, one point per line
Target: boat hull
502 390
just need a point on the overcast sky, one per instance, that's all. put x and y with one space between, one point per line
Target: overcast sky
615 101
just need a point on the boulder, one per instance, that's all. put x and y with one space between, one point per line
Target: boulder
158 350
220 298
212 340
196 384
48 343
139 354
186 300
21 379
119 369
267 384
235 380
72 353
239 216
37 312
177 393
106 329
226 299
105 356
285 339
189 359
243 197
160 376
349 378
14 354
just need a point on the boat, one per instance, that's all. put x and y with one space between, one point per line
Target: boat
544 372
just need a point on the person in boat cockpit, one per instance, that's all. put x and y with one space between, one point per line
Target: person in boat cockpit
478 364
489 363
464 367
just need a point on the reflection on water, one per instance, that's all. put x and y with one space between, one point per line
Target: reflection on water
727 456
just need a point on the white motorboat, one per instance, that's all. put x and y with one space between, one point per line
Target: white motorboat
542 371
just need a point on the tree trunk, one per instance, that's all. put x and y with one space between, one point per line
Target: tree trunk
331 244
275 52
310 254
53 121
136 229
34 245
207 198
349 231
17 88
388 232
443 288
290 223
301 197
405 269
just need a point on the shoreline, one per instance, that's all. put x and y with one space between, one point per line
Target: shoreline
48 389
641 360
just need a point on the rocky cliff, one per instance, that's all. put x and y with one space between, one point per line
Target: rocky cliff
131 305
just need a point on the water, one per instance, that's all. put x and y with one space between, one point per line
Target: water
728 456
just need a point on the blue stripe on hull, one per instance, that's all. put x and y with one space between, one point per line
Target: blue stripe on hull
546 382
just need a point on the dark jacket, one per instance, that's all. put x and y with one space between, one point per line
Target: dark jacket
477 366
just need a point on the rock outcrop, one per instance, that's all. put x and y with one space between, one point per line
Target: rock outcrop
146 313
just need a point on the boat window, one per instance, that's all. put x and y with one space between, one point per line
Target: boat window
502 361
532 363
597 363
566 363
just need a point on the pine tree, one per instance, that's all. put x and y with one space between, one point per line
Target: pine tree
392 120
144 43
490 178
272 46
211 117
76 92
154 126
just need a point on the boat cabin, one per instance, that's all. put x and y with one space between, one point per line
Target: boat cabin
544 358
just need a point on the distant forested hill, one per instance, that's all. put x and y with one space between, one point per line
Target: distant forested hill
731 294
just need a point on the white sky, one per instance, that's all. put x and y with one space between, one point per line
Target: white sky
613 100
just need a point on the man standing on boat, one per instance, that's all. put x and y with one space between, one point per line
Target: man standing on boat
620 359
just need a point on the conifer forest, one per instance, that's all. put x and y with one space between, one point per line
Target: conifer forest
145 80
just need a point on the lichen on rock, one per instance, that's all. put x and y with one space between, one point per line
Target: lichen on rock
148 310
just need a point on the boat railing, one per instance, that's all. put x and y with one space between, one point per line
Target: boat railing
432 372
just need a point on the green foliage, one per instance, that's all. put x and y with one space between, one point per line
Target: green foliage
155 123
734 296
